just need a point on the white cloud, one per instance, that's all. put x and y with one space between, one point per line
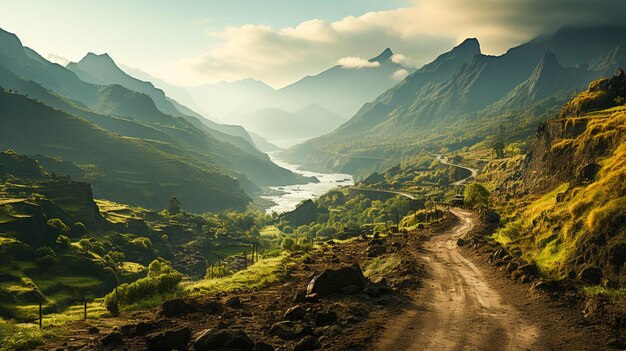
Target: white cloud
57 59
400 59
356 62
417 33
400 74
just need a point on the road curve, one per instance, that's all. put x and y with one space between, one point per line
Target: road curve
409 196
456 309
444 160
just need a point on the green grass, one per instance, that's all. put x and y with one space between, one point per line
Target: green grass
381 266
612 294
262 273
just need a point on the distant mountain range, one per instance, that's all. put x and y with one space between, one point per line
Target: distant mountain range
339 91
282 126
465 90
130 108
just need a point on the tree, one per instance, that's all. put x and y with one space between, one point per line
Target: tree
174 207
63 242
56 226
476 195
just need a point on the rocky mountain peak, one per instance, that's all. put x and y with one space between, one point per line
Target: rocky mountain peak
383 56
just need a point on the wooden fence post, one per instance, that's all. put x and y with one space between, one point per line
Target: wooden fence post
40 313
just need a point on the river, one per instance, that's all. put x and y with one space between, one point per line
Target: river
292 195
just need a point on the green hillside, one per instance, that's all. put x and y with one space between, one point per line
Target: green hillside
120 168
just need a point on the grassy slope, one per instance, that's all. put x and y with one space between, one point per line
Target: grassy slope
127 169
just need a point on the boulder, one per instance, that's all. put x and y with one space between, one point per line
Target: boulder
351 290
590 275
139 329
375 250
112 339
312 298
530 269
222 339
332 281
93 330
325 318
234 302
176 307
461 242
299 297
261 346
283 330
176 338
307 343
490 216
295 313
372 291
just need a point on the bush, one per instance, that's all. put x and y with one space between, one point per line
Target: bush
57 227
288 244
63 242
141 289
476 195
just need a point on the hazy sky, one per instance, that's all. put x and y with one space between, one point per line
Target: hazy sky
192 42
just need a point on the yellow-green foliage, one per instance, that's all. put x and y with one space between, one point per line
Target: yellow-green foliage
380 266
549 232
258 275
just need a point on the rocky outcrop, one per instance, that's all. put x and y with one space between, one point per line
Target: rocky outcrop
333 281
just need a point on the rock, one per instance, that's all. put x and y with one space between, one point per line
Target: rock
234 302
335 280
382 302
261 346
176 338
112 339
590 275
176 307
461 242
375 250
325 318
306 344
283 330
211 307
139 329
299 297
295 313
350 290
490 216
313 298
93 330
372 291
530 269
512 266
615 343
377 241
308 260
420 226
222 339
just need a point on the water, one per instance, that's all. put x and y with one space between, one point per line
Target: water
294 194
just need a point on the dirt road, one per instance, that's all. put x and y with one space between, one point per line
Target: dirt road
456 308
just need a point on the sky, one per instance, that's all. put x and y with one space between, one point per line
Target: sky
196 42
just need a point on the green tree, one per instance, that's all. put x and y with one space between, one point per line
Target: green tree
476 195
56 226
174 205
63 242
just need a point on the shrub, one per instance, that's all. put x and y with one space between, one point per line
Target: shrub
56 226
288 244
476 195
63 242
141 289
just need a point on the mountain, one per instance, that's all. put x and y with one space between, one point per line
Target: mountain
225 98
340 89
134 114
469 95
569 188
548 78
277 124
102 70
124 169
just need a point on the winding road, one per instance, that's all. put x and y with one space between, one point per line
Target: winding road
473 172
456 308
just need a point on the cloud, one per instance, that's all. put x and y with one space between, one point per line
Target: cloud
57 59
356 62
418 34
400 74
